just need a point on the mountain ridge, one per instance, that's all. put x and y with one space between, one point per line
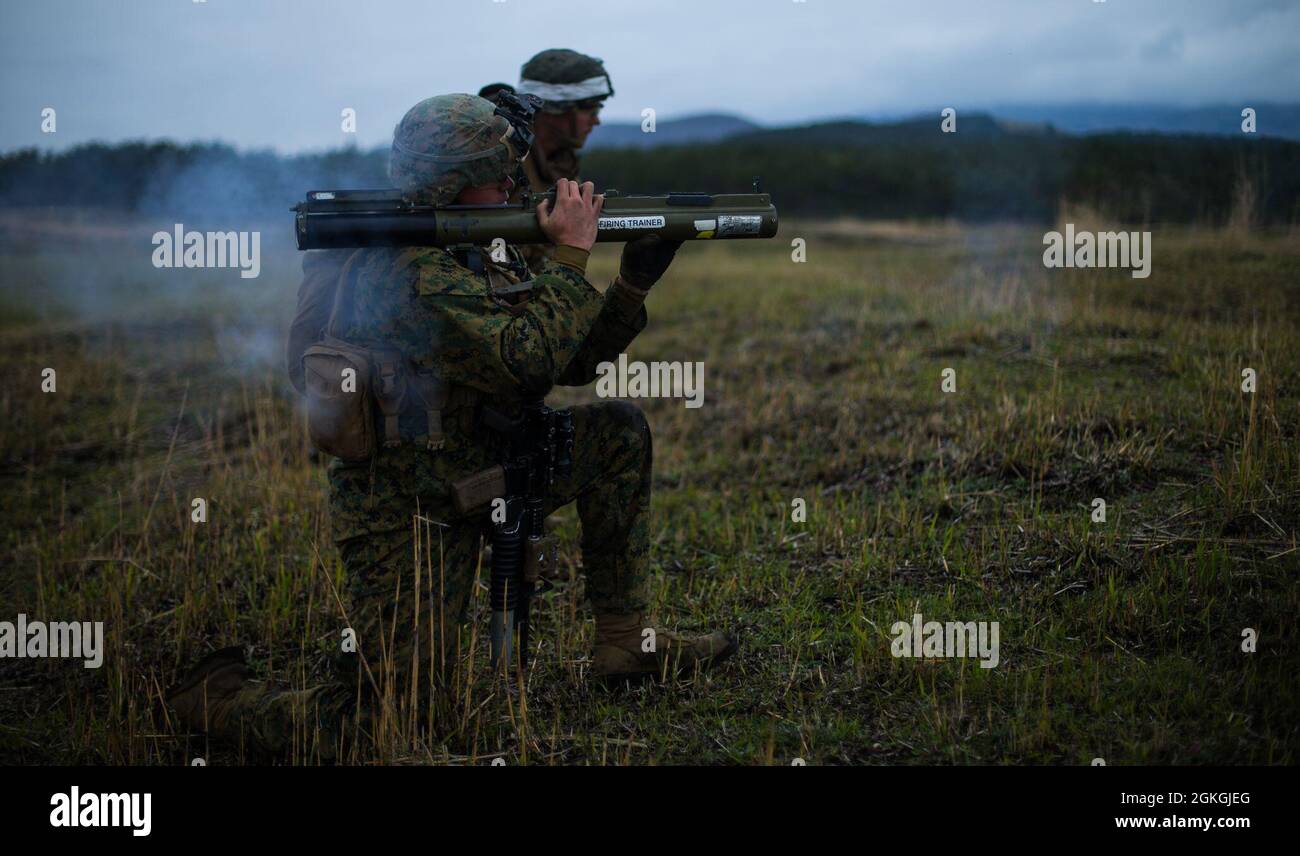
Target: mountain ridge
1272 120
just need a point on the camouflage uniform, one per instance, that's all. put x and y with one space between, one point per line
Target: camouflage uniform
452 322
447 321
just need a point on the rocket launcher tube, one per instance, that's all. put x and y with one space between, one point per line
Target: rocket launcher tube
335 219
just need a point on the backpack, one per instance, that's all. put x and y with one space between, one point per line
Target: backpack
345 381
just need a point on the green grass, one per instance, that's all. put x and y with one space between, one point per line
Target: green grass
1119 640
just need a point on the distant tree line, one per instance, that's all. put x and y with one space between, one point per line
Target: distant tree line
984 171
198 180
979 173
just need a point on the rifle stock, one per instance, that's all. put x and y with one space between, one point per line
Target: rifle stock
335 219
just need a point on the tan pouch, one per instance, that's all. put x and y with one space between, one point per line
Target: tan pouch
540 557
337 376
339 418
475 491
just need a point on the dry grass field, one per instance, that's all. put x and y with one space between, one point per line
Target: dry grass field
1119 640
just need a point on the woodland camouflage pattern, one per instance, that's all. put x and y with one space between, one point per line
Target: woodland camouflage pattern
447 321
447 143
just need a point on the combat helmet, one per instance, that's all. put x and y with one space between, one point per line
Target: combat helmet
449 142
565 79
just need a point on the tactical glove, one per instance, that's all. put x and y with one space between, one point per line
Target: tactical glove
645 260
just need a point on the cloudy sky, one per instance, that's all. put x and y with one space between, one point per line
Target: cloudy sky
277 73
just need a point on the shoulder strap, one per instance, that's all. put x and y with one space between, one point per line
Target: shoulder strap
390 391
434 393
343 302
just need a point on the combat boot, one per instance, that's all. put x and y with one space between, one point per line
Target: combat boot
625 651
203 700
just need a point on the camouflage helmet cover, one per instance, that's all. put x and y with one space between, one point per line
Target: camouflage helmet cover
563 79
447 143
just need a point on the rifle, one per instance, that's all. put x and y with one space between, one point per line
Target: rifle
335 219
534 449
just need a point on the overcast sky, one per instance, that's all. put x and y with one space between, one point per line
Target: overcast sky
277 73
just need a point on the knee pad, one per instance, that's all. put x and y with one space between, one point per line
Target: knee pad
631 421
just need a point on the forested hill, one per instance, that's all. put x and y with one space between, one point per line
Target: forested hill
987 169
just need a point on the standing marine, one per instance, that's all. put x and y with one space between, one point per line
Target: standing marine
469 334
